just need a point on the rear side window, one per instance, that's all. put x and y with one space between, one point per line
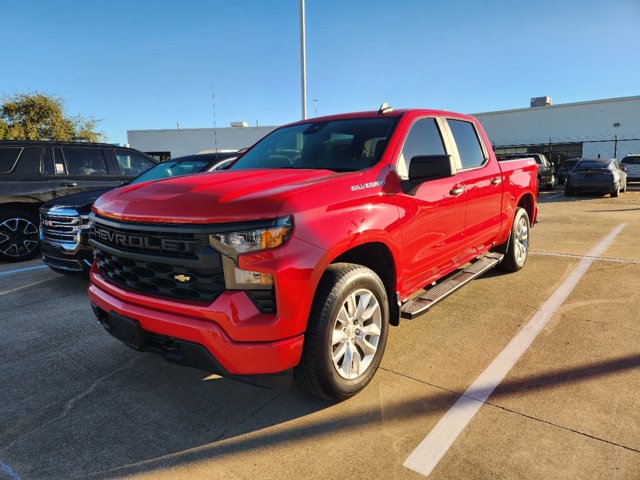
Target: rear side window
9 158
131 164
468 144
423 139
83 161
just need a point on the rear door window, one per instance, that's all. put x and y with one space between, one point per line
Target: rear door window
132 164
9 158
81 162
468 143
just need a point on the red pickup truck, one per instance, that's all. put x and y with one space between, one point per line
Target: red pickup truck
294 261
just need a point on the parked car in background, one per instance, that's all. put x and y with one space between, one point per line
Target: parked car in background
565 168
64 222
546 177
32 173
598 175
631 164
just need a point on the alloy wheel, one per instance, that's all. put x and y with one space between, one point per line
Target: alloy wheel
356 334
18 237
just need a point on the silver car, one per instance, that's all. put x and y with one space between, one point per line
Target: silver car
631 164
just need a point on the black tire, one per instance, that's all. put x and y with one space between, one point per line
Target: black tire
616 191
550 185
19 235
568 191
317 371
514 258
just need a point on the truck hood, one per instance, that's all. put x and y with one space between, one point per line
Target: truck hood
226 196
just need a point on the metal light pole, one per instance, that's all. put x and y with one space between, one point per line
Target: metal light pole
303 61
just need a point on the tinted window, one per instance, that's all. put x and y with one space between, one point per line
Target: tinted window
29 162
170 169
132 164
468 144
423 139
631 161
590 164
338 145
83 161
8 157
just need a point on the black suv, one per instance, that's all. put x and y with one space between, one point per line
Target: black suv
64 238
546 177
32 173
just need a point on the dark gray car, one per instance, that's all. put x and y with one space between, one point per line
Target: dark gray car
596 175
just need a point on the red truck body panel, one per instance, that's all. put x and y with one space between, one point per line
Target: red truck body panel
427 234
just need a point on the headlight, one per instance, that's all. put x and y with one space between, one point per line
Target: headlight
232 244
235 243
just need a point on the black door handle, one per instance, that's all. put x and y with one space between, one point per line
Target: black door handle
71 184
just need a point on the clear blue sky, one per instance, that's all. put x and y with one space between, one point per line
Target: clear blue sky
148 64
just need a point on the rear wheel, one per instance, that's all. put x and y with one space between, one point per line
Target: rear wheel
568 191
346 334
616 191
518 250
550 185
19 235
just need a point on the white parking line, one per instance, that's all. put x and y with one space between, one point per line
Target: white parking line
18 270
580 257
427 455
553 196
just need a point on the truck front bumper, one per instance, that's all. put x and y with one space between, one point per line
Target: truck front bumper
196 342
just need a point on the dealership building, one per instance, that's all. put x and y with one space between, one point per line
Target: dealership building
597 128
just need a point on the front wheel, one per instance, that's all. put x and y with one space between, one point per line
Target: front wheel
518 249
346 334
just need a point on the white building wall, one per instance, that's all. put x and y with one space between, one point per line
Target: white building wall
187 141
571 122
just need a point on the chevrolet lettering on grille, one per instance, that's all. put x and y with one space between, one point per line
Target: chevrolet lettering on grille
142 242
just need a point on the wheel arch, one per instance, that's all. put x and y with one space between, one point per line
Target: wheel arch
378 257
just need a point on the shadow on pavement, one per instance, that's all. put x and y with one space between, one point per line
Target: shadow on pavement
298 404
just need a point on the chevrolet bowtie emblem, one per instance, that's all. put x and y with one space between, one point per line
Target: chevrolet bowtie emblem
182 278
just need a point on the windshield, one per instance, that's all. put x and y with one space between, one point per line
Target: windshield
170 169
591 164
569 164
338 145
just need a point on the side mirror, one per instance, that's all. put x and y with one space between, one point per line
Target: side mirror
623 168
423 168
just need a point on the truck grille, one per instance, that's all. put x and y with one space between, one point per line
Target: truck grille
161 279
60 228
164 243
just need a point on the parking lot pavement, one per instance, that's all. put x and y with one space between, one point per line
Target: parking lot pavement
78 404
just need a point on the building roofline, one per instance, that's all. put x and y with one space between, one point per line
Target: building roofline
201 128
560 105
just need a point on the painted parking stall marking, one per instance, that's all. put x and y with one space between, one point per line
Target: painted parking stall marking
18 270
427 455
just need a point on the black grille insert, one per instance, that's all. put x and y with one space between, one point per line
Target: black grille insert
161 279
